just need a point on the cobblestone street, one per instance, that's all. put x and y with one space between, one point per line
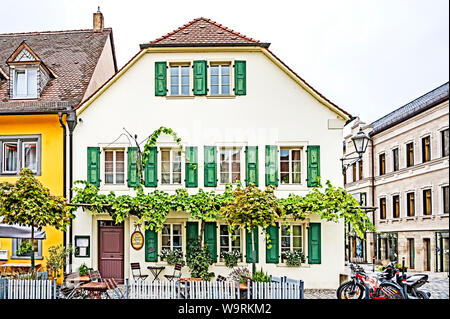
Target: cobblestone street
438 286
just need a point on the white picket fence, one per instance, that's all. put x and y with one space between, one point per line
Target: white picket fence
285 289
27 289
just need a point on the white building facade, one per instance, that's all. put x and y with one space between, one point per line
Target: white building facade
244 115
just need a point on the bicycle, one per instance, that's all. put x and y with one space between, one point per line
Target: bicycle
361 285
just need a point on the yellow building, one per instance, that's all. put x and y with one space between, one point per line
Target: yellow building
43 75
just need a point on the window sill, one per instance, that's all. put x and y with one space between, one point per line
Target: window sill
411 218
177 97
27 257
427 217
283 265
221 96
396 219
25 98
443 215
112 187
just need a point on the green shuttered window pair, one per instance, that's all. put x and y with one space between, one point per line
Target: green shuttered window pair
93 166
314 244
200 78
313 165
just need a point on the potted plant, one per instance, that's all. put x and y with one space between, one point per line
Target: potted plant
231 257
293 258
56 259
198 259
83 270
25 248
172 257
241 274
260 276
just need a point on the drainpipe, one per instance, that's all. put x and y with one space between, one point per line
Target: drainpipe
72 123
60 115
372 181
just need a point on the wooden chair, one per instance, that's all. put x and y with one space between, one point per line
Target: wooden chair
113 289
94 275
176 273
136 267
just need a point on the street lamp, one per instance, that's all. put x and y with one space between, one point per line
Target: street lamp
360 141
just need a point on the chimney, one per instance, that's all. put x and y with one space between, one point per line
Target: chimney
98 20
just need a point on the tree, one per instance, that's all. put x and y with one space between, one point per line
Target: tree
28 202
251 207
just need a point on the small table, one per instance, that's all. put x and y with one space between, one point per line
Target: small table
156 270
95 289
79 279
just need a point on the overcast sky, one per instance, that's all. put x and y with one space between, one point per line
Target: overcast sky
369 57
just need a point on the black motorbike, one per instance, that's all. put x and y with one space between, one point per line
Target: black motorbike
413 282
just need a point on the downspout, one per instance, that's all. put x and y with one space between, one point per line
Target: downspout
72 124
60 115
372 182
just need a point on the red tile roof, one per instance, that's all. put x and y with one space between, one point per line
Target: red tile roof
203 31
71 55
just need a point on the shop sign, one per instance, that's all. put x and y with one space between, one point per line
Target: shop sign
137 240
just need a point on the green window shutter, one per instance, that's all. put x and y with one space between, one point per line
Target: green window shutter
210 166
151 168
249 254
240 78
272 254
251 158
210 238
314 244
132 167
200 82
151 245
191 166
271 165
191 232
160 78
313 165
93 165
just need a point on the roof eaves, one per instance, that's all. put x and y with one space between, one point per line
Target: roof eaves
224 44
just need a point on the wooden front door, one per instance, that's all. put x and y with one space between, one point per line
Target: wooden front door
111 251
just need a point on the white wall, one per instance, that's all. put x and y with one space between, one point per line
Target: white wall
275 111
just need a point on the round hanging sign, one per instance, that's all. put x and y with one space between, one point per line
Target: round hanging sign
137 240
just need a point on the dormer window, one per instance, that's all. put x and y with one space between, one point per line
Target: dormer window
25 83
28 74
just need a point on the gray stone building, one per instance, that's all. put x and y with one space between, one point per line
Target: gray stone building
405 174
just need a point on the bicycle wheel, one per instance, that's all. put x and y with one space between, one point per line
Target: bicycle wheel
390 291
350 290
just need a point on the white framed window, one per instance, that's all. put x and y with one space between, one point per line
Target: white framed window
171 237
179 79
290 165
25 83
291 238
29 155
229 241
230 165
170 166
220 79
20 151
10 157
16 243
114 166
